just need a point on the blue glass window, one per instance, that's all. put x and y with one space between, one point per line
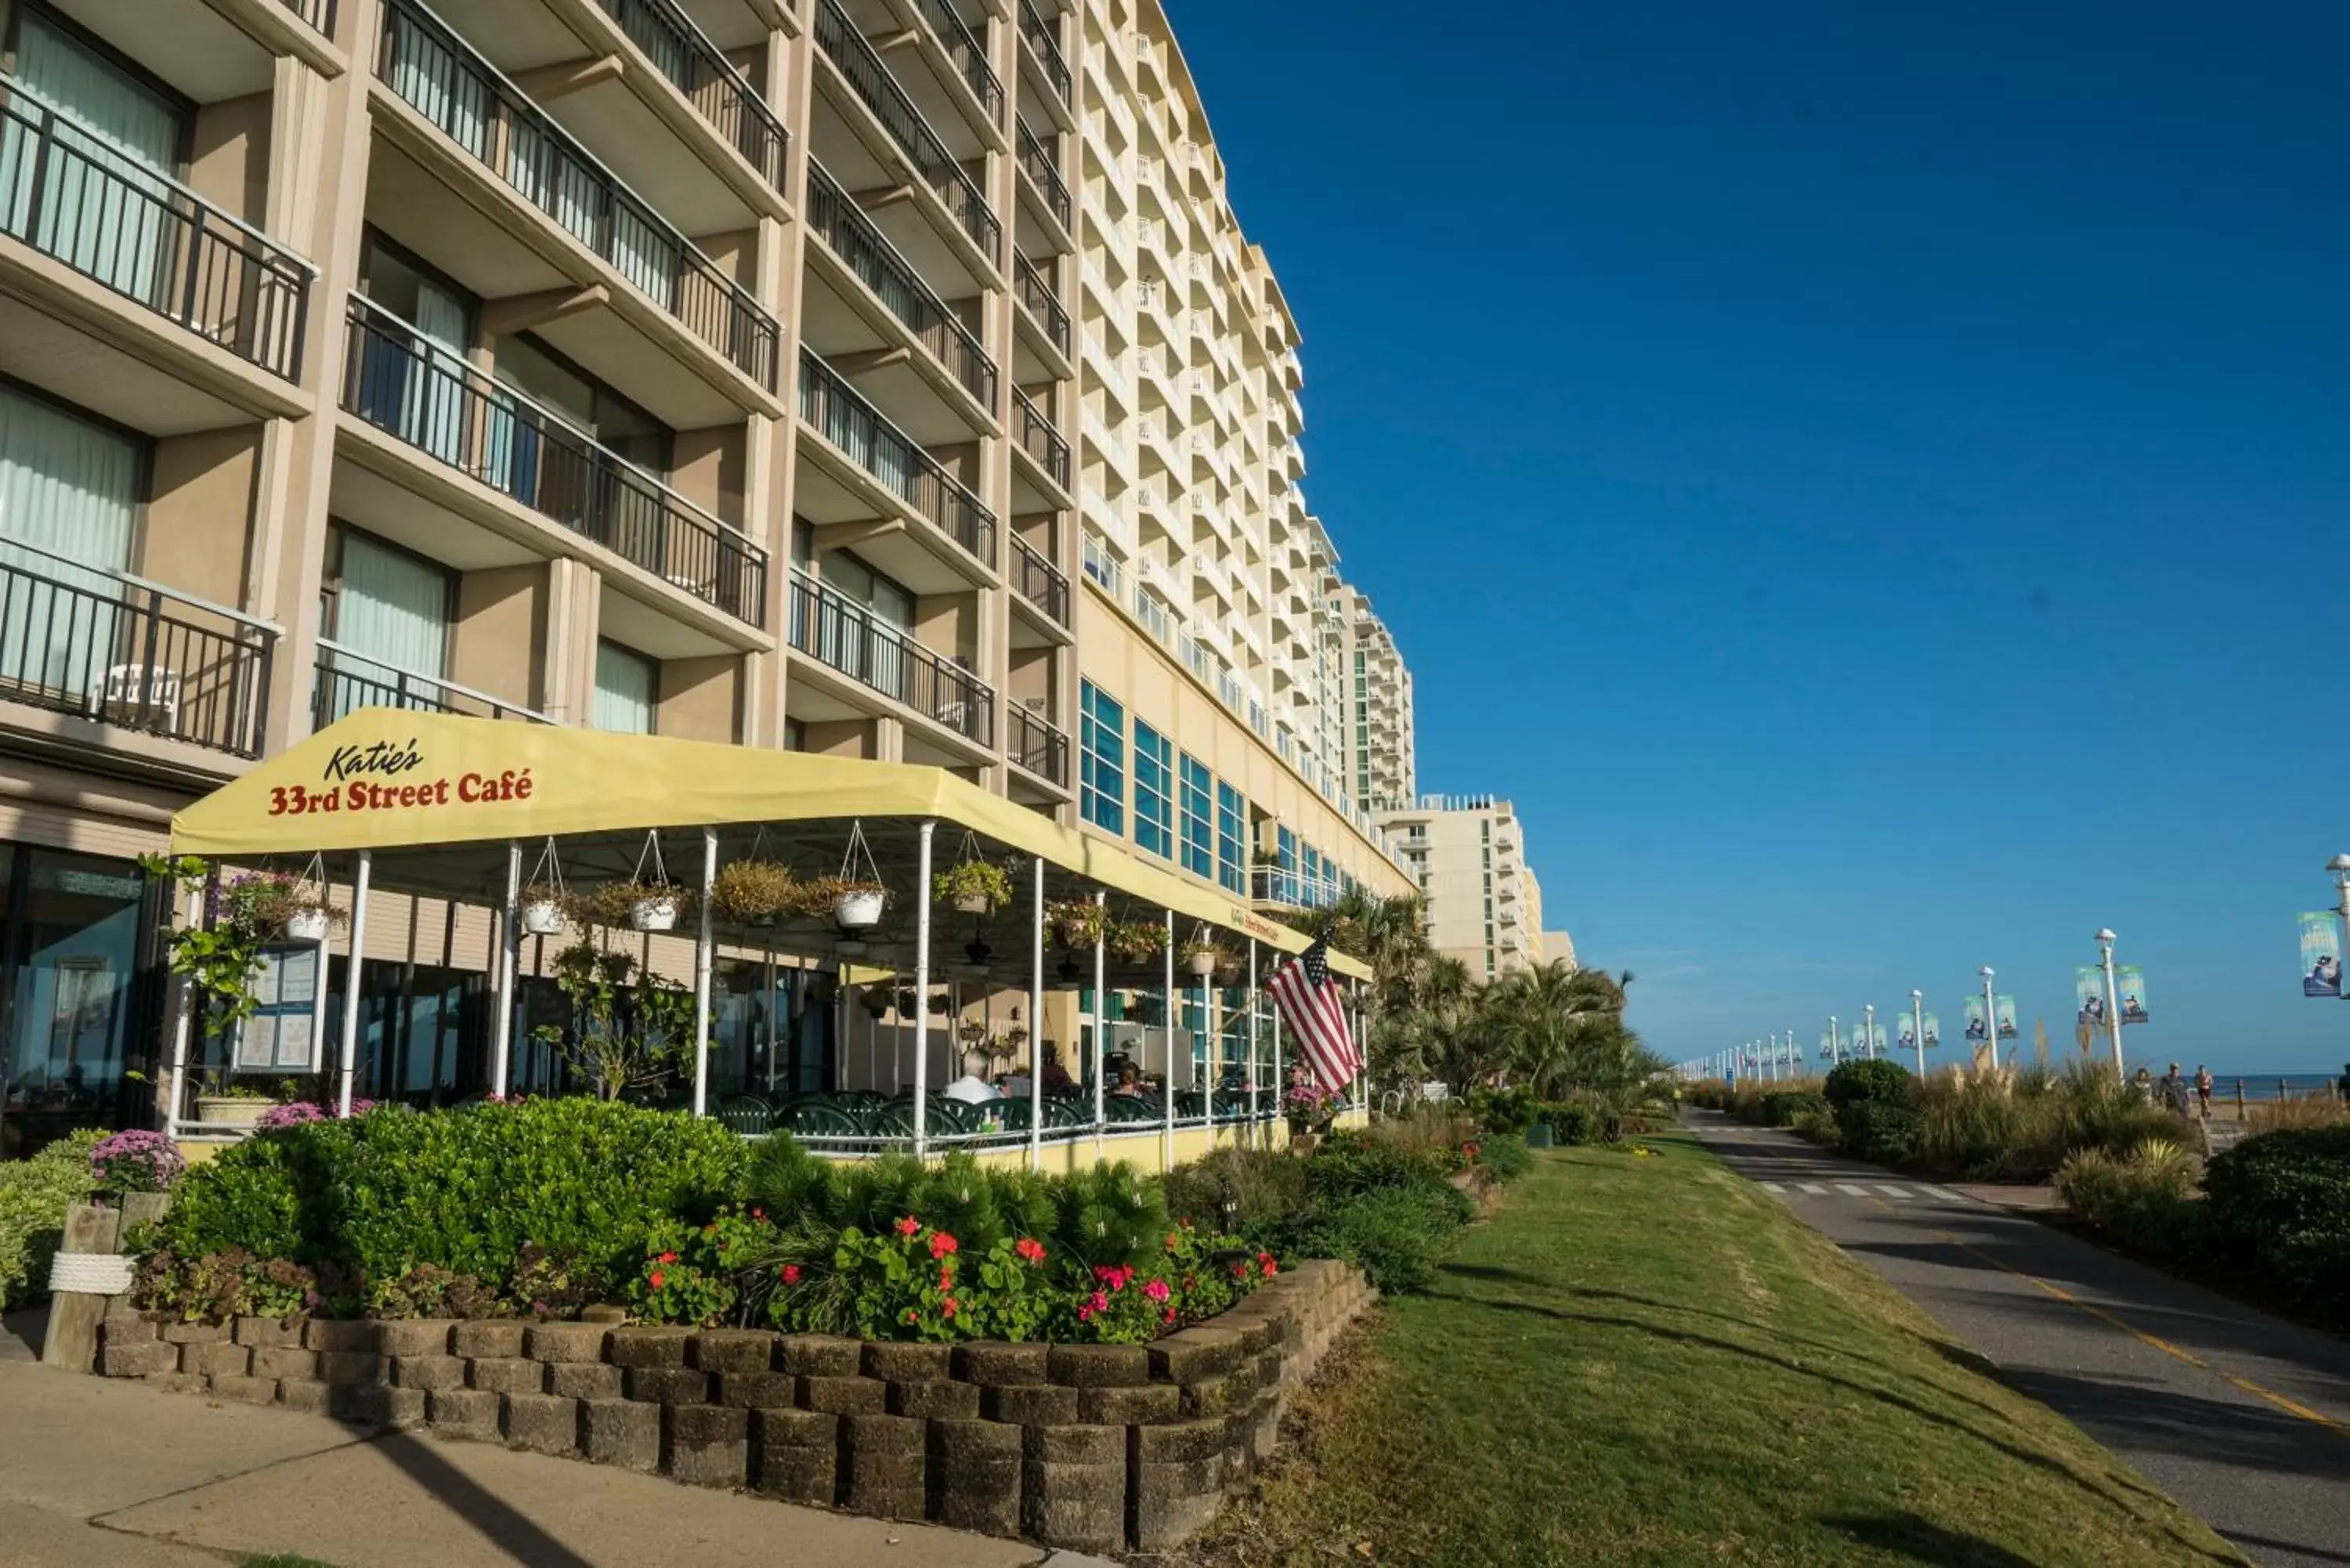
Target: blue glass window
1101 794
1199 832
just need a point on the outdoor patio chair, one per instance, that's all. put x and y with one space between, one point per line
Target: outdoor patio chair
817 1118
749 1115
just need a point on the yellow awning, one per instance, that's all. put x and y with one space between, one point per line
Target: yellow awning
387 780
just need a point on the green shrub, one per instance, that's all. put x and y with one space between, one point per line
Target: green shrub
1817 1125
1505 1157
1781 1107
34 1196
276 1196
1241 1190
2019 1124
2281 1201
1879 1130
1573 1122
1396 1235
1877 1081
2145 1199
1354 1161
1503 1110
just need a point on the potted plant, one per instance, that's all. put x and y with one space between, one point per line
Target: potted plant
543 905
972 1030
1078 923
853 904
753 892
1136 941
1200 957
972 887
1230 967
233 1104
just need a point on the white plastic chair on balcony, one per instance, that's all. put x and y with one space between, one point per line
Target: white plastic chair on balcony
119 693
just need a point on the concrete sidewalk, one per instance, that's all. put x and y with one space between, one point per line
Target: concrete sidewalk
95 1473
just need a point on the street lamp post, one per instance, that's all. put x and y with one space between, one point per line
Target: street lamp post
1990 1017
1868 1027
1836 1044
2113 1000
1917 1028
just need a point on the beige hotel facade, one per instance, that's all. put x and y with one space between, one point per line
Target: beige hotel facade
885 379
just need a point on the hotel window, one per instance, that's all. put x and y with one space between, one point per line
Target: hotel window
69 490
387 613
615 421
1101 734
1231 850
628 689
1154 792
1199 827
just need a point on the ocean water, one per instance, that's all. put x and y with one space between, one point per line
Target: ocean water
2267 1085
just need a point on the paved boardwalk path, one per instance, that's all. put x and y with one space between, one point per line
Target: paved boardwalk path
2242 1418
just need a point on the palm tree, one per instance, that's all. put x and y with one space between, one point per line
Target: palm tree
1565 1031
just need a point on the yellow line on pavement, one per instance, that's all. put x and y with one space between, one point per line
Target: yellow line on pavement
2291 1407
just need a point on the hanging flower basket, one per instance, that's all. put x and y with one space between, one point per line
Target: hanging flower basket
753 892
545 906
310 923
658 913
972 885
1200 957
855 898
542 918
1076 924
857 907
1136 941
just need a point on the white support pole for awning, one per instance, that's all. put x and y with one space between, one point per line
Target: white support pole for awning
1167 1086
509 961
1101 1014
1253 1005
1280 1083
1213 1053
351 980
701 953
922 991
1037 1028
183 1015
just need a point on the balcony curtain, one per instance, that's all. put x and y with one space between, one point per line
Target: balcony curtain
624 691
106 203
392 615
441 84
68 488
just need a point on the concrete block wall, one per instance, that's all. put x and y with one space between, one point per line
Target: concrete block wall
1088 1447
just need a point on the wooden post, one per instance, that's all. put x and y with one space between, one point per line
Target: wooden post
2240 1099
72 1339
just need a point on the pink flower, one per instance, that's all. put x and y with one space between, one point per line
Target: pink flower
791 1273
941 1245
657 1278
1170 1318
908 1225
1157 1290
947 1306
1099 1303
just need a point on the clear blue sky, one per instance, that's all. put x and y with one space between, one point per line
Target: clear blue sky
1906 458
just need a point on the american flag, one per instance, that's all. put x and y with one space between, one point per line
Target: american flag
1308 998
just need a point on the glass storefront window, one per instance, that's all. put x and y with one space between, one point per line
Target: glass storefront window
73 957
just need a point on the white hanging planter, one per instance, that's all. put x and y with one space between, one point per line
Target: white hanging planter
1203 963
543 917
309 924
857 911
974 904
653 914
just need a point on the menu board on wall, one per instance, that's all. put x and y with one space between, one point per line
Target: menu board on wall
280 1036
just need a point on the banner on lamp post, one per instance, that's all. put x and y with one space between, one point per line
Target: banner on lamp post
2007 1027
2130 980
2321 954
1977 1028
2089 993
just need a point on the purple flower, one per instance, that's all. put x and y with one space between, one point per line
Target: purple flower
301 1111
136 1161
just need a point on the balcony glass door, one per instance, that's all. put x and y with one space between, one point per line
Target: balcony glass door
390 618
68 494
416 390
107 205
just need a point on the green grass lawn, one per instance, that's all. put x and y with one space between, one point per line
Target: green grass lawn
1647 1361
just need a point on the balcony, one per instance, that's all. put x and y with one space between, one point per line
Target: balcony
833 408
148 238
452 413
1036 162
1038 299
851 236
849 637
347 679
1037 437
875 87
318 14
1039 747
970 57
1037 34
1039 581
719 92
130 654
440 77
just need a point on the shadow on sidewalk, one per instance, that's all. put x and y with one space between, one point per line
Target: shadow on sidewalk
513 1533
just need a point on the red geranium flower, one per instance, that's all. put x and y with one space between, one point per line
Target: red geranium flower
1170 1318
657 1278
791 1273
1031 1248
946 1279
941 1245
947 1306
667 1257
1174 1242
1100 1302
908 1225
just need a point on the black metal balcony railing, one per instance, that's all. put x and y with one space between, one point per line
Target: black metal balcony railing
1038 747
1039 440
880 91
1037 162
130 653
347 680
685 55
1039 34
852 640
426 396
1041 303
853 238
969 55
147 237
319 13
845 419
440 77
1039 581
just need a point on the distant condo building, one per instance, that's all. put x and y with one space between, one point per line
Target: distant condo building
1468 854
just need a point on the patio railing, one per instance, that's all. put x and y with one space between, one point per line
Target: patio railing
852 236
398 381
1039 440
130 653
147 237
852 639
1038 32
1037 162
440 76
1041 303
886 453
348 680
869 78
1039 581
319 13
685 55
1039 746
969 55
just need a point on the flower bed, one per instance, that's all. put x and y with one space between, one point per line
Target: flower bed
1096 1447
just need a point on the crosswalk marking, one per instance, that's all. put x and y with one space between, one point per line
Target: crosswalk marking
1892 1192
1813 1188
1852 1189
1771 1187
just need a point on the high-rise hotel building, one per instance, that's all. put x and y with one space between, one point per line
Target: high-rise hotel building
887 379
